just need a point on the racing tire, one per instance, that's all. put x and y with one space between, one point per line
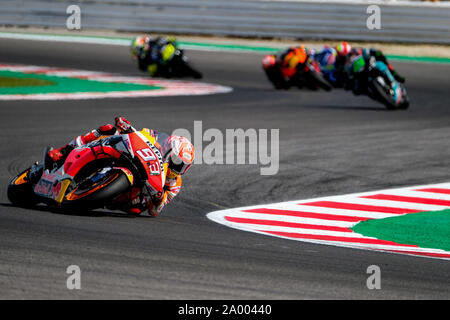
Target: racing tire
405 103
275 76
113 185
142 65
383 96
20 191
191 72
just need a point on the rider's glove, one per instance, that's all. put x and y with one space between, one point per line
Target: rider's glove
123 125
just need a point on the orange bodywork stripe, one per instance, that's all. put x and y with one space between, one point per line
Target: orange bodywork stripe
21 179
72 196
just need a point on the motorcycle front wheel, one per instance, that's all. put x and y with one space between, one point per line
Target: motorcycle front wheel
380 93
405 100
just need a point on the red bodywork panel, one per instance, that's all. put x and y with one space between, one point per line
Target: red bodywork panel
150 158
78 158
147 153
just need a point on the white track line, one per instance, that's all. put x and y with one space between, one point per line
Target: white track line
169 87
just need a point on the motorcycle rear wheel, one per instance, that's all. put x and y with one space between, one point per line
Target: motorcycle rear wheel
20 191
98 195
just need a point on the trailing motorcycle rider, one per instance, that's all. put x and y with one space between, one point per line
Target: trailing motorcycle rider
154 55
337 65
349 69
327 58
177 151
285 67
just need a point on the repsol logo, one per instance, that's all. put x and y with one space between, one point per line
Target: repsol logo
158 155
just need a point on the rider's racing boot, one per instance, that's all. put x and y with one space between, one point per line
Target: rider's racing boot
57 156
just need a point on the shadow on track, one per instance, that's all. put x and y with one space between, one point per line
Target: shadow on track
67 212
360 108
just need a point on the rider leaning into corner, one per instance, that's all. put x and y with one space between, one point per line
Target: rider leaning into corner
177 151
338 67
289 62
153 54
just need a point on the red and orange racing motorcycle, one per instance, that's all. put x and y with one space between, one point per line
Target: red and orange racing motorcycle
104 173
306 74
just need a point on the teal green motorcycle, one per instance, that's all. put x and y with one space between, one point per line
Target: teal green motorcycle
376 81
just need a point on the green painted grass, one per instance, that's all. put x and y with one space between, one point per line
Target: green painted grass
13 82
424 229
62 84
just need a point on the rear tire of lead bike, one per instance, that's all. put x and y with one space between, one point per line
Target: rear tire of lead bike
100 197
20 191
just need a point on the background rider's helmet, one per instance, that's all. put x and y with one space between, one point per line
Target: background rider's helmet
343 49
269 61
137 45
181 154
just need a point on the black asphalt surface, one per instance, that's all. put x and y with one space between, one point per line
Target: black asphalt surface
330 143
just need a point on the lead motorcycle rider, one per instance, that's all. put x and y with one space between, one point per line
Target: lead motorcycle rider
177 151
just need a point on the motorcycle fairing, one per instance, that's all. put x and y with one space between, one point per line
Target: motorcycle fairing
150 157
79 157
53 185
397 91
